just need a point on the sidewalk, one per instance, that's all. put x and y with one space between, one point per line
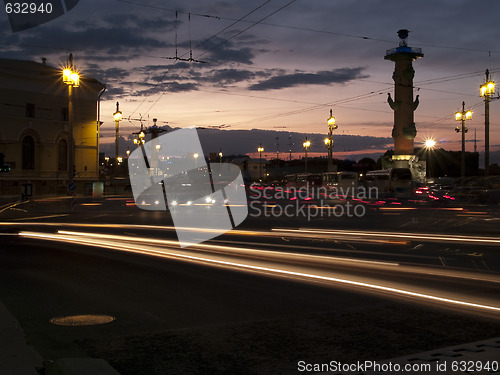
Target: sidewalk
17 357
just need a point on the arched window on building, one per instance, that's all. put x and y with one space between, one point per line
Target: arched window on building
28 152
62 155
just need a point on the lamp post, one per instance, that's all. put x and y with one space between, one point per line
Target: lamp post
429 146
260 149
220 155
487 90
329 141
462 116
306 145
117 116
72 79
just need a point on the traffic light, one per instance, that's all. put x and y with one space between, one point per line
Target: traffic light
4 168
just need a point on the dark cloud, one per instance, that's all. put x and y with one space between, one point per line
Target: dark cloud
145 24
342 75
153 68
166 87
231 55
224 77
182 87
112 40
222 51
114 92
105 75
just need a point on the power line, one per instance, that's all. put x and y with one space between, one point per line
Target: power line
167 9
249 27
364 37
312 108
225 41
182 71
234 23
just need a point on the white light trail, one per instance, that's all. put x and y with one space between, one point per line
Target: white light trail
112 242
408 236
279 232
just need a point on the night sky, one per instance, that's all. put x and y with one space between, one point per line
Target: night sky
277 64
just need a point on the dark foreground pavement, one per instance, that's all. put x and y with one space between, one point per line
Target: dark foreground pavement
175 317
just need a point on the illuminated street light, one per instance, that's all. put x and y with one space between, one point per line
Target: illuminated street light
429 146
463 116
220 155
306 145
329 141
72 79
117 117
430 143
487 90
260 149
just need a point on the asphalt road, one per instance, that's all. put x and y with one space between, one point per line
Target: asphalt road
254 301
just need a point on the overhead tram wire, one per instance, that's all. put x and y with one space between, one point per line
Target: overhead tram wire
312 108
249 27
355 98
167 9
234 23
364 37
226 40
182 71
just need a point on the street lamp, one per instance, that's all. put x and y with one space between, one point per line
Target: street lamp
306 145
462 116
260 149
329 141
487 90
429 146
220 156
117 117
72 79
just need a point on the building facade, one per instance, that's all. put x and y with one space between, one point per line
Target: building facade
34 129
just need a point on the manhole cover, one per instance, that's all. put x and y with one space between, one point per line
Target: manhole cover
82 320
